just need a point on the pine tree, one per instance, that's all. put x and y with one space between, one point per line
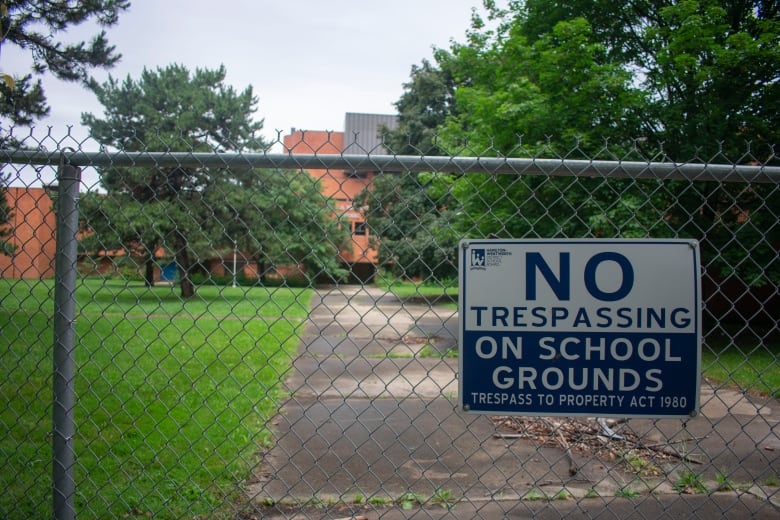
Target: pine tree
37 27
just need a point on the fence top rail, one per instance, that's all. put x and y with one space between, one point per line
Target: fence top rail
407 163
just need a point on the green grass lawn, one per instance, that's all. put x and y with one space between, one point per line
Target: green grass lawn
430 292
173 397
746 359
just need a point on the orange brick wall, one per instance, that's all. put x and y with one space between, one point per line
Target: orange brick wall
337 185
33 225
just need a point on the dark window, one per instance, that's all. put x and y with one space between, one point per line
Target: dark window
360 229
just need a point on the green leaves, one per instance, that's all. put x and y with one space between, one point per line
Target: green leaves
560 85
6 212
586 79
410 220
173 108
197 213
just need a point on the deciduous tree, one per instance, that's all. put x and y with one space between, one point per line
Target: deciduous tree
580 79
710 68
409 214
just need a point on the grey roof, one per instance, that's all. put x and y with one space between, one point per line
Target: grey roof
362 132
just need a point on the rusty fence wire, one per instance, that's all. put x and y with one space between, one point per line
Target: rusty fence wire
190 334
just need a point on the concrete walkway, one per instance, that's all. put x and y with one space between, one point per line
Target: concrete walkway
372 425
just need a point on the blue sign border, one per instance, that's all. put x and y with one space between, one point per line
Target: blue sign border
681 383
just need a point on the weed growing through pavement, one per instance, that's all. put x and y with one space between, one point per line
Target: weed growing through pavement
534 495
379 501
690 483
444 498
409 500
640 465
626 492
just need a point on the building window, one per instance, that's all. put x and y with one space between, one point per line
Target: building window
359 229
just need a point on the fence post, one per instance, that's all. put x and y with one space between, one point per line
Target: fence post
63 485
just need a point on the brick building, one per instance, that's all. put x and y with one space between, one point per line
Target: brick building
34 225
361 135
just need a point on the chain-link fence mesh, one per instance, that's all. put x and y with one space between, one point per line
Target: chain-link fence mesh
275 334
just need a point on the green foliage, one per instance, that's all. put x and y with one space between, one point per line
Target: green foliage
6 213
442 293
726 483
168 109
640 465
427 101
444 497
22 102
279 218
708 69
410 500
561 85
408 216
36 27
603 80
535 495
626 492
714 66
690 483
274 217
171 108
429 351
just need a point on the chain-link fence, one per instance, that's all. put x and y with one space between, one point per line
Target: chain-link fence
247 335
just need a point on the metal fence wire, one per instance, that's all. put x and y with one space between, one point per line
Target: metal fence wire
189 334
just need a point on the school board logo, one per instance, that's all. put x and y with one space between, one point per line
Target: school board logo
478 259
482 258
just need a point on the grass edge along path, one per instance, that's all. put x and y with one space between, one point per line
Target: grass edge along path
173 399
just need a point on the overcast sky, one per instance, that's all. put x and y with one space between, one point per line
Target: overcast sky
308 61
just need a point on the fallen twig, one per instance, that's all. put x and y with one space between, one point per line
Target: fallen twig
668 450
567 450
511 436
667 443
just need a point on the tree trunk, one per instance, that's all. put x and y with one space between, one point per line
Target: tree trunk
149 272
183 259
260 269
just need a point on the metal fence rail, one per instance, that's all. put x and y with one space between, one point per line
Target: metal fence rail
377 162
312 369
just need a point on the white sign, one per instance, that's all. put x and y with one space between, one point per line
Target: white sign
580 327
